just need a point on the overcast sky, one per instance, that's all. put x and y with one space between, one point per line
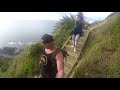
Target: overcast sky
46 15
9 17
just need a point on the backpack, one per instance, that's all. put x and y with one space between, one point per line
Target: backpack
64 52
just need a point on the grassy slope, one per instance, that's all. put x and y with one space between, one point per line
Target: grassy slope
101 56
25 64
4 64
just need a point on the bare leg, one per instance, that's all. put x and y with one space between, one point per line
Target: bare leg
76 41
73 40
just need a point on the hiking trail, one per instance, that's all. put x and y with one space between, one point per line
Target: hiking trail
72 59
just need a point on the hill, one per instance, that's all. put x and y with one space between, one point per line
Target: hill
101 54
4 64
113 14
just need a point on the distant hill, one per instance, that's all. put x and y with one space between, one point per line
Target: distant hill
112 14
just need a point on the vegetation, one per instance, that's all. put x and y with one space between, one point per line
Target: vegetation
4 64
101 55
113 14
100 58
26 65
63 29
9 51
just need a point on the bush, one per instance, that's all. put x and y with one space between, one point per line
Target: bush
63 29
26 64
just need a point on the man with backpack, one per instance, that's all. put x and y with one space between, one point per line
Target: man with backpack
52 61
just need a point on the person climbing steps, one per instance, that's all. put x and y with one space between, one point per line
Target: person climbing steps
77 32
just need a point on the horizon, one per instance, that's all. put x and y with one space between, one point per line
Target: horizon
7 18
46 15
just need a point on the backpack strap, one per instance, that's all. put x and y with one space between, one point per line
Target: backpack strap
65 54
41 60
57 50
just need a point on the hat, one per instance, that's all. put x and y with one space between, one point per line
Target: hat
46 38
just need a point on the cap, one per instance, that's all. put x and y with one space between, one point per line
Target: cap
46 38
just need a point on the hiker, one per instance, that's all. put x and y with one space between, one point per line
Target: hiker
78 30
51 65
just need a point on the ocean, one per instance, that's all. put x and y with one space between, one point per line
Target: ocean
22 33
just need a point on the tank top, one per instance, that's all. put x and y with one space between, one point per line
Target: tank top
50 67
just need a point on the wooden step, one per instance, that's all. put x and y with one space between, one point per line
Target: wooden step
82 40
69 48
71 43
71 60
73 54
65 74
83 37
85 33
66 64
66 69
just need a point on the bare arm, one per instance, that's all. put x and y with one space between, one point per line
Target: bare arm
60 65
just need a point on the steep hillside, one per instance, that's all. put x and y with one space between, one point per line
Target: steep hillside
4 64
101 55
25 65
112 14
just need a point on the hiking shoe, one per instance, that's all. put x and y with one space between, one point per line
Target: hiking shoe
74 49
72 46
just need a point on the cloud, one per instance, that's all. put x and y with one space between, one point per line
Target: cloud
7 17
28 16
46 15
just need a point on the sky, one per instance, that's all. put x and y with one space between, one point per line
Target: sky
45 15
6 18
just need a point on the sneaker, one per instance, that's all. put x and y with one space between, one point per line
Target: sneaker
72 46
74 49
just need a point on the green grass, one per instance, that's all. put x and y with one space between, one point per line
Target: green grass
101 55
26 64
4 64
63 29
